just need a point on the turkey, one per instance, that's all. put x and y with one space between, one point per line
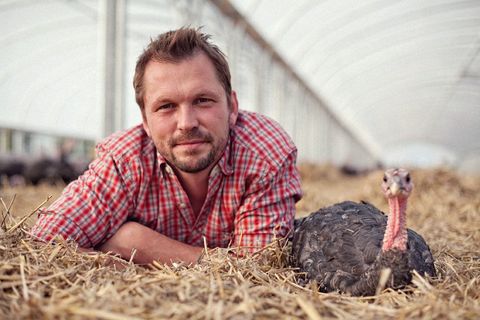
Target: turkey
346 246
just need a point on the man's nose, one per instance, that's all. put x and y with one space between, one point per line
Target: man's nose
187 118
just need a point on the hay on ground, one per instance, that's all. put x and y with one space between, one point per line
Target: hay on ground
57 282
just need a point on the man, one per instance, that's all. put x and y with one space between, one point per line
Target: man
196 168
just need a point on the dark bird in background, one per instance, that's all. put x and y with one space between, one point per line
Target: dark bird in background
346 246
12 168
51 168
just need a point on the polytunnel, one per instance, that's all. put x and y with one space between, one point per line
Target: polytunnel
200 214
356 83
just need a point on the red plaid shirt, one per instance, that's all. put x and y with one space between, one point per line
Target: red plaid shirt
251 197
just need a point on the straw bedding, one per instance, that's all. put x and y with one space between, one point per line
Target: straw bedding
56 282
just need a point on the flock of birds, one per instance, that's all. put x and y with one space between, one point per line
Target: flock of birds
17 170
349 247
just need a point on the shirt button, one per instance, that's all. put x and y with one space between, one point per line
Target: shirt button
168 169
182 205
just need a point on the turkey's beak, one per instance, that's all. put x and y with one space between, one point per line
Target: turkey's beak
395 189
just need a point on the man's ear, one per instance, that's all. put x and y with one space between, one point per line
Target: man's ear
145 124
233 109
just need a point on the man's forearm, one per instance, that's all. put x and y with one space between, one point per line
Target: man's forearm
149 245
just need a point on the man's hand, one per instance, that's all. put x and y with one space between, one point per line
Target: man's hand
147 245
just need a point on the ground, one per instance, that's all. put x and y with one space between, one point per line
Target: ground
56 282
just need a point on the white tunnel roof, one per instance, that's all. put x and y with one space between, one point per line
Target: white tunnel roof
403 76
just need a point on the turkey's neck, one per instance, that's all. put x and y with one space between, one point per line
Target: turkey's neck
396 232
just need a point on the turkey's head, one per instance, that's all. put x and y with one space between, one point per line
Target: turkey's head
397 186
397 183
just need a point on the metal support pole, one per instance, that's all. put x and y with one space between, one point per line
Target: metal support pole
114 60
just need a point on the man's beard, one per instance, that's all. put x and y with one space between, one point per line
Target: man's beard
192 165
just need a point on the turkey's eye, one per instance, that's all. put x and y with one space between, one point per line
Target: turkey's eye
408 178
384 178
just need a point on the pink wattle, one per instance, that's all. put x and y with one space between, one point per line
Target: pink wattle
396 232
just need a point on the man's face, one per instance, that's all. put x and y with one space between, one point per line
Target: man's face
186 112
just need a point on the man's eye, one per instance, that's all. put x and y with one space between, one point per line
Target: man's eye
202 100
166 106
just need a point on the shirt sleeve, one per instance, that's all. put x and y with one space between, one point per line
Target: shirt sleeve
268 209
90 209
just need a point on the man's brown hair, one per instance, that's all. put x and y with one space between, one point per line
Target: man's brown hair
175 46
